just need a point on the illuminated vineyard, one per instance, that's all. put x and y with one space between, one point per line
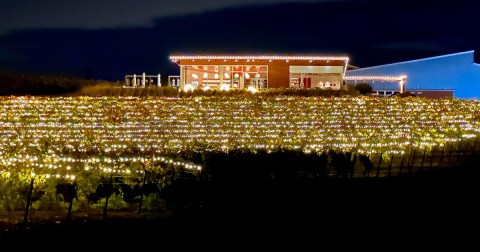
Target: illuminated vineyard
85 141
45 132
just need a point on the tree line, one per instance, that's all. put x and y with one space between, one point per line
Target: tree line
39 84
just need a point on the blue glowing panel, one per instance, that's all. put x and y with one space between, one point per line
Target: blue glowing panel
453 71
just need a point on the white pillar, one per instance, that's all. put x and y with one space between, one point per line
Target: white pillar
159 83
181 83
134 80
402 86
221 77
143 79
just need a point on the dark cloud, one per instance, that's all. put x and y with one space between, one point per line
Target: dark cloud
370 32
98 14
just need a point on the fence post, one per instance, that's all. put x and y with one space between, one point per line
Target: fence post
390 166
142 190
458 152
450 154
423 158
70 203
353 165
410 168
474 145
401 165
108 196
379 164
29 199
441 156
431 158
367 169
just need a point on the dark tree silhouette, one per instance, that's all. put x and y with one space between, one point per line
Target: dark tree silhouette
364 88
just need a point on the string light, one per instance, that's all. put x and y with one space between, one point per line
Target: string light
65 137
225 87
188 87
264 57
380 78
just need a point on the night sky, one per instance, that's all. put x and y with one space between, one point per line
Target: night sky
107 39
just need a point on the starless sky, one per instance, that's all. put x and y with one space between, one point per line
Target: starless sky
107 39
98 14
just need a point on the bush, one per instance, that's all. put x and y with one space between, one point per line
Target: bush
406 94
34 84
109 89
364 88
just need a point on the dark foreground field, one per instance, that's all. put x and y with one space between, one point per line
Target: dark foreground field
435 207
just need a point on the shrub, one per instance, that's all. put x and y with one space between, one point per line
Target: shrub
109 89
35 84
406 94
364 88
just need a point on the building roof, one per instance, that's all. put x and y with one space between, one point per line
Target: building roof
255 57
423 89
417 60
373 78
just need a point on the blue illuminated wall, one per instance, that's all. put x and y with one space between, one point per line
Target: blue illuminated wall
454 71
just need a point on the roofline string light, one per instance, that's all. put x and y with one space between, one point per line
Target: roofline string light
384 78
263 57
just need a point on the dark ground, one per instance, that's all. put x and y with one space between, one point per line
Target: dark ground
433 209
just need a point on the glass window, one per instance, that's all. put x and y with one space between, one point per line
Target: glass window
233 76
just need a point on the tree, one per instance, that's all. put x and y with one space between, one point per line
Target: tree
364 88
